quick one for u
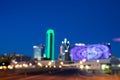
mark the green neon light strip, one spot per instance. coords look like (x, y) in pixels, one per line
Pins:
(50, 31)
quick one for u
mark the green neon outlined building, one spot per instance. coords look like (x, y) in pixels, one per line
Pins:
(50, 44)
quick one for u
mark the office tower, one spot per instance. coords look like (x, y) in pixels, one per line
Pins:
(66, 49)
(50, 44)
(37, 52)
(42, 47)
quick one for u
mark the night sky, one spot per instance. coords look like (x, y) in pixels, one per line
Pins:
(23, 23)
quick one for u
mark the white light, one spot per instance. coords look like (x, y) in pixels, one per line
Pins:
(84, 60)
(104, 66)
(39, 64)
(50, 63)
(108, 43)
(35, 46)
(119, 65)
(68, 42)
(20, 65)
(10, 67)
(79, 44)
(61, 63)
(60, 66)
(25, 65)
(66, 50)
(65, 40)
(54, 66)
(87, 67)
(30, 64)
(17, 66)
(80, 62)
(98, 61)
(46, 66)
(81, 67)
(0, 67)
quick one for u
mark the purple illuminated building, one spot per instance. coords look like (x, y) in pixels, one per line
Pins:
(90, 52)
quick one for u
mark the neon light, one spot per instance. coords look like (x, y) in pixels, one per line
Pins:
(90, 52)
(50, 44)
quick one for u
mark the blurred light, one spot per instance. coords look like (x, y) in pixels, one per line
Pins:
(0, 67)
(30, 64)
(3, 63)
(104, 66)
(4, 67)
(61, 63)
(87, 67)
(39, 64)
(54, 66)
(108, 43)
(50, 63)
(98, 61)
(81, 66)
(20, 66)
(10, 67)
(46, 66)
(79, 44)
(16, 66)
(25, 65)
(60, 66)
(119, 65)
(84, 60)
(116, 39)
(35, 46)
(80, 62)
(66, 50)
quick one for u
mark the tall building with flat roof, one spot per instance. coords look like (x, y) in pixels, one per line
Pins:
(39, 52)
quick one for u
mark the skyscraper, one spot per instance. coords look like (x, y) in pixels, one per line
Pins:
(65, 47)
(37, 52)
(50, 44)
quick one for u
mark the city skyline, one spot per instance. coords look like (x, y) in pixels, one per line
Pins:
(23, 24)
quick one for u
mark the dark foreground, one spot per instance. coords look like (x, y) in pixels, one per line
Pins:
(68, 74)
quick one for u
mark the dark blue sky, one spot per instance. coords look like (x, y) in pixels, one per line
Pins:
(23, 23)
